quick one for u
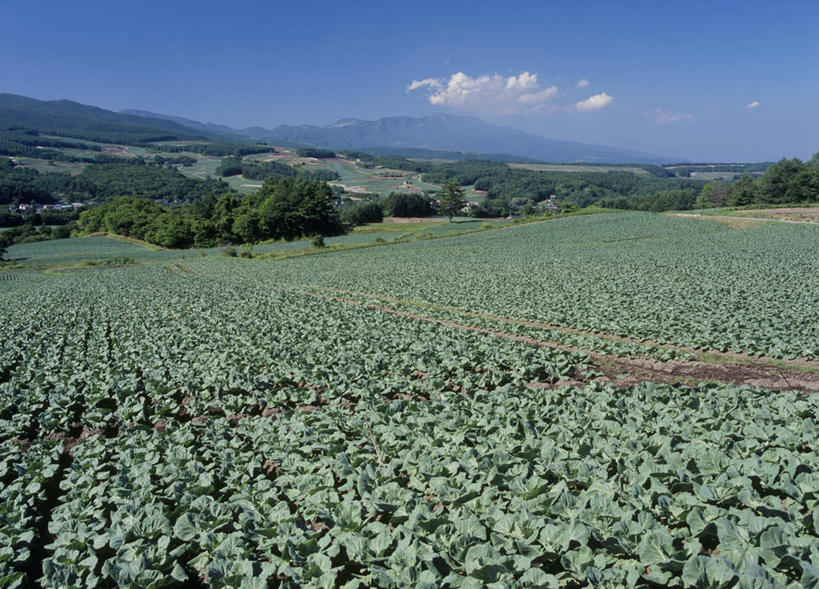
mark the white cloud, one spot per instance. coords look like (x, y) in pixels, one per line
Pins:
(664, 117)
(594, 102)
(583, 83)
(537, 97)
(431, 82)
(488, 93)
(754, 104)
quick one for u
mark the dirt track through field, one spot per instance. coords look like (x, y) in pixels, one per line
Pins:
(735, 368)
(779, 219)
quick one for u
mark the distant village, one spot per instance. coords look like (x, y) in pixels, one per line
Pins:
(61, 205)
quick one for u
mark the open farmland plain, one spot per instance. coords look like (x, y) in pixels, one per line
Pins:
(604, 400)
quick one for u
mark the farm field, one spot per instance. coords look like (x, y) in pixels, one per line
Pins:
(100, 248)
(604, 400)
(205, 167)
(78, 250)
(577, 168)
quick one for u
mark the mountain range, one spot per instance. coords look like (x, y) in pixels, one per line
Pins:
(437, 132)
(450, 132)
(463, 136)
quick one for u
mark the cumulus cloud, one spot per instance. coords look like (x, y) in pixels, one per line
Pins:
(594, 102)
(754, 104)
(583, 83)
(488, 93)
(665, 117)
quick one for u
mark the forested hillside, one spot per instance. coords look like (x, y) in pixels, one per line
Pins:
(101, 182)
(71, 119)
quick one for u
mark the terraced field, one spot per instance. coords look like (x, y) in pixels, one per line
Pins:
(498, 409)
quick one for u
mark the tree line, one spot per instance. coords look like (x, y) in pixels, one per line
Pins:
(287, 208)
(514, 188)
(789, 181)
(101, 182)
(221, 149)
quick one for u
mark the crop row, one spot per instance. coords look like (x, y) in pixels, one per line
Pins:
(651, 485)
(77, 356)
(678, 281)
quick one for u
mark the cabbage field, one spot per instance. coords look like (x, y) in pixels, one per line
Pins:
(444, 413)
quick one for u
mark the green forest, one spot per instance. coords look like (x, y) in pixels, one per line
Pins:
(282, 209)
(789, 181)
(102, 182)
(255, 170)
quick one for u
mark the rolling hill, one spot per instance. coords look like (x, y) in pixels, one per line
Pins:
(72, 119)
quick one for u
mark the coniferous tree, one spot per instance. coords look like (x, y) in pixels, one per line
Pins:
(451, 199)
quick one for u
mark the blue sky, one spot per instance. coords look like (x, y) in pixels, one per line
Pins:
(718, 81)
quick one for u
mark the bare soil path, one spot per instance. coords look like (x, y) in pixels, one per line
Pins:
(779, 217)
(711, 366)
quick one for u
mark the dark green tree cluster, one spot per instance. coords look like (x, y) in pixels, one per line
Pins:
(170, 162)
(29, 233)
(48, 217)
(253, 170)
(509, 189)
(319, 175)
(315, 152)
(687, 169)
(664, 200)
(30, 143)
(102, 182)
(222, 149)
(393, 162)
(464, 172)
(287, 208)
(789, 181)
(22, 185)
(401, 204)
(361, 213)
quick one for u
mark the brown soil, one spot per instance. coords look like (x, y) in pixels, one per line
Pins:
(627, 371)
(403, 220)
(721, 357)
(795, 213)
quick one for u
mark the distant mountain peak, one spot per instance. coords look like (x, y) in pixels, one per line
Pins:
(437, 132)
(448, 132)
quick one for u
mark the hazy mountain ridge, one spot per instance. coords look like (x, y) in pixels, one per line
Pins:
(452, 133)
(436, 132)
(209, 127)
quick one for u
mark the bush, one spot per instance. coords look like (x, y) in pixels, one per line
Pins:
(361, 213)
(407, 205)
(247, 251)
(318, 241)
(230, 251)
